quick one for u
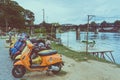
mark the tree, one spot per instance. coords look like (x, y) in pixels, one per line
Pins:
(93, 26)
(29, 17)
(117, 24)
(12, 15)
(103, 24)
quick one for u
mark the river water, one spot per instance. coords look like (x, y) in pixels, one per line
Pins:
(103, 40)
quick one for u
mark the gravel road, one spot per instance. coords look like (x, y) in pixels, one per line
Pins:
(6, 63)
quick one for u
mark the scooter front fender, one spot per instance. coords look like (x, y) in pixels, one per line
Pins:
(18, 57)
(18, 63)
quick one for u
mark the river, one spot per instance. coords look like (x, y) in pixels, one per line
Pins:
(106, 40)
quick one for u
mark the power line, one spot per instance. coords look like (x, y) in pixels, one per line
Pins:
(102, 18)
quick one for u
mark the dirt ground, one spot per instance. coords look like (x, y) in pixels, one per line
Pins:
(86, 70)
(72, 70)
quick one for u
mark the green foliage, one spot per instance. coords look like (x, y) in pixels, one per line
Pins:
(29, 14)
(42, 30)
(117, 24)
(37, 30)
(13, 15)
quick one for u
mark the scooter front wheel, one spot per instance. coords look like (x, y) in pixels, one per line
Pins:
(18, 71)
(16, 60)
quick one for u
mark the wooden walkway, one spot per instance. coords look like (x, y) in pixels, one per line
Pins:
(101, 53)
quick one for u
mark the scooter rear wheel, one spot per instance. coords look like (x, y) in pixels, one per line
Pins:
(18, 71)
(56, 72)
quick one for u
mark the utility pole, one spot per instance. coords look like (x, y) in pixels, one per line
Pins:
(43, 15)
(89, 18)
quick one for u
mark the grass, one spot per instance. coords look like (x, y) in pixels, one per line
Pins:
(62, 73)
(78, 56)
(3, 37)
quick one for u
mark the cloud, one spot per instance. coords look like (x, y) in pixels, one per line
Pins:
(70, 11)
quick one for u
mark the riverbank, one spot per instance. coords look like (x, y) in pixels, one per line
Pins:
(79, 66)
(84, 70)
(76, 55)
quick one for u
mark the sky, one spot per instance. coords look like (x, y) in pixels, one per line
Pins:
(72, 11)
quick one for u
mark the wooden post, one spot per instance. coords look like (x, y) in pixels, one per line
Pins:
(112, 57)
(77, 33)
(108, 57)
(102, 55)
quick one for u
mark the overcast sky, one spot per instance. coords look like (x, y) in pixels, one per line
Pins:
(72, 11)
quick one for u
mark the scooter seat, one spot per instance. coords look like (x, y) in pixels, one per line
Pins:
(47, 52)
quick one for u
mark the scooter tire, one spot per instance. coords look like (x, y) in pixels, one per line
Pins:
(56, 72)
(12, 57)
(18, 71)
(10, 53)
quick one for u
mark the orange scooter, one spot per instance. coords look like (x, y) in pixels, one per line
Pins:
(50, 61)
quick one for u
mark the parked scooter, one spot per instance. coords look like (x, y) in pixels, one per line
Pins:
(50, 61)
(17, 48)
(38, 45)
